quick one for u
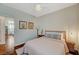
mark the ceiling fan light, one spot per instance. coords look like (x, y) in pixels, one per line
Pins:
(38, 8)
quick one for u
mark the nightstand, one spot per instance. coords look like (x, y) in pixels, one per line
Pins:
(39, 36)
(71, 48)
(74, 52)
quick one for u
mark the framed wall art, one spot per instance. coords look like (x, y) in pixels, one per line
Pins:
(22, 24)
(30, 25)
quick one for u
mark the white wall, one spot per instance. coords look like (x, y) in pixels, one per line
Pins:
(65, 19)
(78, 35)
(2, 30)
(78, 25)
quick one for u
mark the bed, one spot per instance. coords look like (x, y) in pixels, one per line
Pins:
(53, 43)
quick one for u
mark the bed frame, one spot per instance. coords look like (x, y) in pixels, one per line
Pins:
(17, 47)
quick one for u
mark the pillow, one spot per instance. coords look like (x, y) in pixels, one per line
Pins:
(57, 36)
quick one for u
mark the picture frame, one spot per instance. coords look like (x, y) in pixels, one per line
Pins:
(22, 24)
(30, 25)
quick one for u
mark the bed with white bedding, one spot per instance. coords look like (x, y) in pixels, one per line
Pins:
(46, 46)
(53, 43)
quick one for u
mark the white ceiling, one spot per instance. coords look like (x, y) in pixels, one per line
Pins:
(45, 7)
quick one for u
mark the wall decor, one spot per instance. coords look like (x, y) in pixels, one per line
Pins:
(22, 24)
(30, 25)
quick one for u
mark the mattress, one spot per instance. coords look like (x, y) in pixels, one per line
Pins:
(45, 46)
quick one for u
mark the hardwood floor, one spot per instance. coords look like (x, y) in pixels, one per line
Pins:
(2, 49)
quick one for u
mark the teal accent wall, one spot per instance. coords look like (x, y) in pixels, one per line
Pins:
(20, 35)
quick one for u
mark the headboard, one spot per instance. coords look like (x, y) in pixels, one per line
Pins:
(59, 32)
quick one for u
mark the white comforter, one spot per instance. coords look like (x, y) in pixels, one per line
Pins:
(45, 46)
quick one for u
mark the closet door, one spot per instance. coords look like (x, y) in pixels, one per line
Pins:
(2, 30)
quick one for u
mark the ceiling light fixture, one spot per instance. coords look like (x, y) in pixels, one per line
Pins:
(38, 7)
